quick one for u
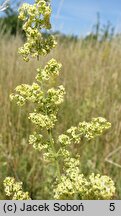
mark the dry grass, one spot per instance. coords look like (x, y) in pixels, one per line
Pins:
(92, 77)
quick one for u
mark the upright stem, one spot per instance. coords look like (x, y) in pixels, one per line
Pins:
(54, 151)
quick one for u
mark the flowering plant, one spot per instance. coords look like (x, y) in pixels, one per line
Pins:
(70, 182)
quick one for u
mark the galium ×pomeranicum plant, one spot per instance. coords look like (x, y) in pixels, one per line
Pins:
(14, 189)
(70, 183)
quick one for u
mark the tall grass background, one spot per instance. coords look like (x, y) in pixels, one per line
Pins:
(91, 74)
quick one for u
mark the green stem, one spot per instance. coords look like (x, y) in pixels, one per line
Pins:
(54, 151)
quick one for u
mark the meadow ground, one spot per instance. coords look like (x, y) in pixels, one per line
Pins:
(91, 74)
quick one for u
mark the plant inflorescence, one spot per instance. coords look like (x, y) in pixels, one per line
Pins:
(70, 182)
(14, 189)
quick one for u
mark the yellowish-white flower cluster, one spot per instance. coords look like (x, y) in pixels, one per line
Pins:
(46, 104)
(55, 96)
(100, 187)
(94, 128)
(88, 130)
(71, 182)
(35, 18)
(51, 70)
(26, 92)
(69, 188)
(40, 144)
(37, 141)
(73, 185)
(43, 121)
(14, 189)
(64, 139)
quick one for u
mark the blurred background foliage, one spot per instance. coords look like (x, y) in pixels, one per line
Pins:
(9, 22)
(91, 74)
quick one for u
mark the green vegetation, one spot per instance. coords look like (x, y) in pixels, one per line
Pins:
(90, 80)
(9, 23)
